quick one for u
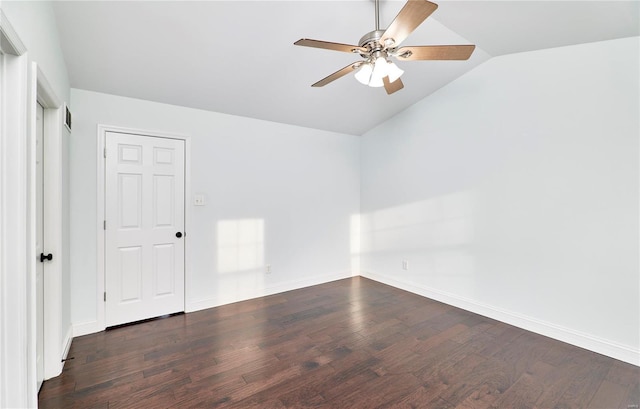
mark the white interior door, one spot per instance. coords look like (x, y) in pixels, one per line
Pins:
(144, 240)
(39, 244)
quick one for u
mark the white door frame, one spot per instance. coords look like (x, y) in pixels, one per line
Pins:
(21, 86)
(101, 185)
(43, 93)
(17, 376)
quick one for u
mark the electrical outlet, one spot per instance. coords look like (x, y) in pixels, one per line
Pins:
(268, 269)
(405, 265)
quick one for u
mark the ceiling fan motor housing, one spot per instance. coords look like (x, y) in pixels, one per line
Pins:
(371, 41)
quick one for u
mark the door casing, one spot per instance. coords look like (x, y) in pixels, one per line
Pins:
(17, 379)
(55, 341)
(40, 244)
(22, 83)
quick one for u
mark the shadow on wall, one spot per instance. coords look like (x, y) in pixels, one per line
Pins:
(434, 236)
(240, 258)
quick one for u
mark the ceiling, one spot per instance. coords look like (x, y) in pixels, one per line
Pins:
(238, 57)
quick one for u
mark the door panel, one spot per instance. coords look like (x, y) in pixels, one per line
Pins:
(130, 154)
(130, 198)
(130, 274)
(164, 269)
(163, 192)
(144, 210)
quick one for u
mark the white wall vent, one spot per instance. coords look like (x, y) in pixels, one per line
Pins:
(67, 117)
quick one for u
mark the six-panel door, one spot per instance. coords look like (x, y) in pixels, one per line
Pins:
(144, 205)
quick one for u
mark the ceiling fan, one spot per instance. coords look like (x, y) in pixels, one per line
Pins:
(379, 46)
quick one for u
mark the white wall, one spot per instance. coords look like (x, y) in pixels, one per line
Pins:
(513, 192)
(35, 23)
(301, 184)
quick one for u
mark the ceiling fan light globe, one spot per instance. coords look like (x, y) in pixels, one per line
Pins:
(394, 72)
(364, 74)
(380, 68)
(376, 82)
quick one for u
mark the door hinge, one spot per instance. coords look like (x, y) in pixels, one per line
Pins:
(104, 225)
(104, 152)
(105, 296)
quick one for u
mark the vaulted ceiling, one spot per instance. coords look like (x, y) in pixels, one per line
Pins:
(238, 57)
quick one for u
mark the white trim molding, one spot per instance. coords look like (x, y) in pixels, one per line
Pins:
(10, 42)
(100, 323)
(86, 328)
(66, 344)
(17, 370)
(53, 177)
(570, 336)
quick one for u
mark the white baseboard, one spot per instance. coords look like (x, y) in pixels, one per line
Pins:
(91, 327)
(85, 328)
(307, 282)
(270, 290)
(592, 343)
(66, 345)
(59, 365)
(570, 336)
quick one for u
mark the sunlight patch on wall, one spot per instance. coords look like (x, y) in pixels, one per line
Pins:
(240, 245)
(436, 222)
(435, 236)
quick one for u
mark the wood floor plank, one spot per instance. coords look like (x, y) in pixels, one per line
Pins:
(378, 392)
(632, 397)
(352, 343)
(586, 383)
(522, 394)
(555, 381)
(608, 394)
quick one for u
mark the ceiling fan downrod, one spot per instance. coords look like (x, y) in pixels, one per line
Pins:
(371, 40)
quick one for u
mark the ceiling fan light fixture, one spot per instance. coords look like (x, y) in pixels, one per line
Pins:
(393, 71)
(384, 68)
(371, 74)
(380, 68)
(376, 82)
(364, 74)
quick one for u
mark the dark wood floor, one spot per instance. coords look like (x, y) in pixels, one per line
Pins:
(347, 344)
